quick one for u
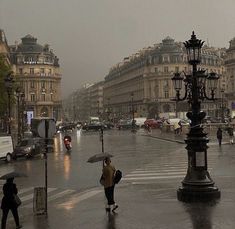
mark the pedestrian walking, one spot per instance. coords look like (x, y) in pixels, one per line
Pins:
(108, 177)
(147, 128)
(176, 128)
(231, 135)
(219, 135)
(9, 203)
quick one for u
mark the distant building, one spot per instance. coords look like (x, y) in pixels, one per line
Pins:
(230, 69)
(147, 74)
(37, 71)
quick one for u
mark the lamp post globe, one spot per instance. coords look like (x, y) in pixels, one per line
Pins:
(197, 184)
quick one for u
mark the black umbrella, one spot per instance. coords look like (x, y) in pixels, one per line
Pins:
(99, 157)
(12, 175)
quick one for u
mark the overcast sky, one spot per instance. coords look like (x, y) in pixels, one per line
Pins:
(90, 36)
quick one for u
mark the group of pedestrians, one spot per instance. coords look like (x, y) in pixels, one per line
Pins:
(230, 132)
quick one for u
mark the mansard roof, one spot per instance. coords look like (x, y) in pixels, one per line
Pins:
(29, 45)
(169, 45)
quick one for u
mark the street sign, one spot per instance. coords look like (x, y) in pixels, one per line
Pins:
(51, 128)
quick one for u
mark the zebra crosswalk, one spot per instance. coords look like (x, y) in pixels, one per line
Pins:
(164, 168)
(60, 196)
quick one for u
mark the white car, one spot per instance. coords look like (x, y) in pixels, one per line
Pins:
(6, 148)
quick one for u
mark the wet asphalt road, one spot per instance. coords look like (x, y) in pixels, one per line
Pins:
(71, 170)
(152, 171)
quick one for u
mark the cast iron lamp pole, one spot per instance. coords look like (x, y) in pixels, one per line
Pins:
(222, 106)
(23, 114)
(9, 85)
(133, 113)
(18, 95)
(197, 184)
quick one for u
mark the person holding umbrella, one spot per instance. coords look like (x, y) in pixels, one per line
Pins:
(9, 203)
(10, 200)
(108, 176)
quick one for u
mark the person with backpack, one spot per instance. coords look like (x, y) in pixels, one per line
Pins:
(108, 176)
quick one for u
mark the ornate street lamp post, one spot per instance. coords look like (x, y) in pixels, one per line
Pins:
(133, 129)
(197, 184)
(18, 95)
(23, 114)
(20, 113)
(222, 105)
(9, 85)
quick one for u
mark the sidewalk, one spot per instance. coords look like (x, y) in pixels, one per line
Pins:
(170, 136)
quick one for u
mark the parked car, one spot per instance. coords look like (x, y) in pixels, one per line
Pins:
(28, 147)
(124, 124)
(140, 122)
(153, 123)
(6, 148)
(109, 125)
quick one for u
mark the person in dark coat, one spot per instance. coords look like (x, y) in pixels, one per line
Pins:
(9, 203)
(219, 136)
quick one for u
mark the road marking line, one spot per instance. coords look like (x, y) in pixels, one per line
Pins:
(25, 190)
(154, 174)
(53, 197)
(60, 194)
(158, 170)
(30, 196)
(78, 198)
(150, 178)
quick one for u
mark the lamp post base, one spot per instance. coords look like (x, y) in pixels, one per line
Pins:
(193, 194)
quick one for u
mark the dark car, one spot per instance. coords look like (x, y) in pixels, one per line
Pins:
(94, 126)
(153, 123)
(28, 147)
(109, 125)
(124, 124)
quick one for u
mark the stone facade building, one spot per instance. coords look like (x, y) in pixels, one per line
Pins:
(4, 48)
(147, 75)
(37, 71)
(84, 103)
(230, 69)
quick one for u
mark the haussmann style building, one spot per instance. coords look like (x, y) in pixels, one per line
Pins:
(143, 81)
(37, 71)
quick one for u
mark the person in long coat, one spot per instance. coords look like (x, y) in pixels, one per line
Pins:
(9, 203)
(219, 135)
(108, 175)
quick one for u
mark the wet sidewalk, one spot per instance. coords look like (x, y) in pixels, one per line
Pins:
(179, 138)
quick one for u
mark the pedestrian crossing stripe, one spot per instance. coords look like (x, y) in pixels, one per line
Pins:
(153, 174)
(75, 199)
(163, 169)
(151, 178)
(68, 195)
(30, 196)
